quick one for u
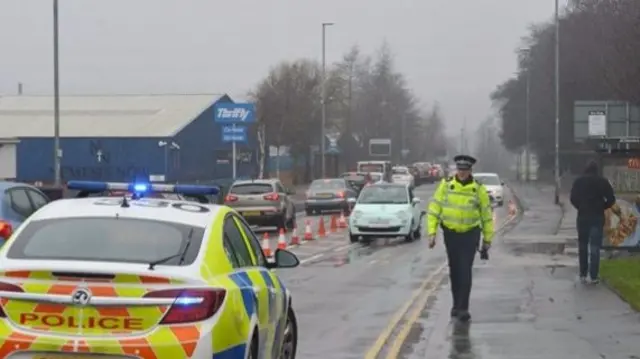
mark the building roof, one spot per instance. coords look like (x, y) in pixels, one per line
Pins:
(101, 116)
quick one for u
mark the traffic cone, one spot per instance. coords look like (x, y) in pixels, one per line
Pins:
(308, 236)
(321, 231)
(512, 208)
(333, 227)
(266, 246)
(342, 221)
(282, 242)
(295, 239)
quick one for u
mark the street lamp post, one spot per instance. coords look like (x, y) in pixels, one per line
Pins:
(557, 86)
(528, 128)
(168, 146)
(323, 102)
(57, 153)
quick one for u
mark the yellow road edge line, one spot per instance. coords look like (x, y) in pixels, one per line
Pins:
(374, 351)
(399, 340)
(382, 339)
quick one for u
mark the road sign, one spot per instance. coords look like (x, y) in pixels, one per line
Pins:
(380, 147)
(234, 113)
(597, 124)
(233, 133)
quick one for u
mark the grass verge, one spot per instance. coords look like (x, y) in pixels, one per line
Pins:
(623, 275)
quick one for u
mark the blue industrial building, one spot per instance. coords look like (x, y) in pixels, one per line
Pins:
(118, 138)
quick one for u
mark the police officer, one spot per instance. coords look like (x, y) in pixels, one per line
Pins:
(461, 206)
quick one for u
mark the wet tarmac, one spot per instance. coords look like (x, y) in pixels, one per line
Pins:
(347, 297)
(527, 304)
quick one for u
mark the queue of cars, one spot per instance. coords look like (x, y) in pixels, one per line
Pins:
(142, 276)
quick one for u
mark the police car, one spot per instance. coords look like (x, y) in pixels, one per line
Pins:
(146, 278)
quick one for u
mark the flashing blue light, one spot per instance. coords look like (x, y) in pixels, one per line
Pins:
(140, 188)
(186, 301)
(184, 189)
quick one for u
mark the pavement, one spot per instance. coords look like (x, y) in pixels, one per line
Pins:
(352, 299)
(526, 301)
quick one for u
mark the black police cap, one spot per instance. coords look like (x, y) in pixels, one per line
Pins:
(464, 162)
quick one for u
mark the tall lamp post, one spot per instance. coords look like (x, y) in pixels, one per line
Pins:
(57, 153)
(557, 86)
(323, 101)
(526, 52)
(168, 146)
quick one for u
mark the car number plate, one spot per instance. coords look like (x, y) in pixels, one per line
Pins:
(251, 213)
(323, 195)
(380, 221)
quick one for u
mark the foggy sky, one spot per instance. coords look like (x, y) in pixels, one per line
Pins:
(451, 51)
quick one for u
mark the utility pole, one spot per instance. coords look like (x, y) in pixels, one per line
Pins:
(323, 102)
(57, 153)
(527, 128)
(557, 80)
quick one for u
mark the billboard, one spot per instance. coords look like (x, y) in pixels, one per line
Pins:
(623, 231)
(605, 119)
(380, 147)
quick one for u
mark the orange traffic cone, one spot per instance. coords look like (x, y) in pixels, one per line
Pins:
(295, 239)
(282, 242)
(512, 208)
(308, 236)
(333, 227)
(342, 221)
(266, 245)
(321, 231)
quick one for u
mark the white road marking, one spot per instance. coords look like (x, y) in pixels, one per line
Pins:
(312, 258)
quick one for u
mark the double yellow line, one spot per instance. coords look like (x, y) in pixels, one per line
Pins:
(416, 303)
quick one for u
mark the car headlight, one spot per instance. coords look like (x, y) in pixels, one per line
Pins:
(356, 214)
(403, 215)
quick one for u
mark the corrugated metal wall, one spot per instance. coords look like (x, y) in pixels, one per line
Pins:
(108, 159)
(202, 156)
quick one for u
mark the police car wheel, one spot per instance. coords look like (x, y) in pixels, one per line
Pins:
(253, 350)
(501, 203)
(290, 338)
(353, 239)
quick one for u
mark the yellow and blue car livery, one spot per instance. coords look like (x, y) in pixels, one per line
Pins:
(221, 304)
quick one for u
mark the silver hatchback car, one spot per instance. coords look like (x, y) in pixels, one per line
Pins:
(262, 202)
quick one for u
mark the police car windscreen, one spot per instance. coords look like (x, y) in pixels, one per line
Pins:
(251, 188)
(107, 239)
(488, 180)
(383, 195)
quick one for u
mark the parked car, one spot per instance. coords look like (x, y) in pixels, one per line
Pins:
(263, 202)
(401, 175)
(19, 201)
(494, 185)
(329, 194)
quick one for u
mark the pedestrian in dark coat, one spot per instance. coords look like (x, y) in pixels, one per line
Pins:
(591, 195)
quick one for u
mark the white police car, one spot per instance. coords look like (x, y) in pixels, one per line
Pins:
(138, 277)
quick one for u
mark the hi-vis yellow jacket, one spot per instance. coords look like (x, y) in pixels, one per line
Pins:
(460, 208)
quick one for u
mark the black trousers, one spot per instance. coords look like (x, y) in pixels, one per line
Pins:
(461, 251)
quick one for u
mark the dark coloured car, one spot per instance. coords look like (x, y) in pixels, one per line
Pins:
(357, 180)
(330, 194)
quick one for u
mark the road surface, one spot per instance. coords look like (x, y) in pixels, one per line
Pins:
(347, 296)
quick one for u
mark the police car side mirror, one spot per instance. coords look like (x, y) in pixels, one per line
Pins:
(502, 183)
(284, 259)
(415, 200)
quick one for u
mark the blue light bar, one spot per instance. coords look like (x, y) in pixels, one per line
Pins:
(184, 189)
